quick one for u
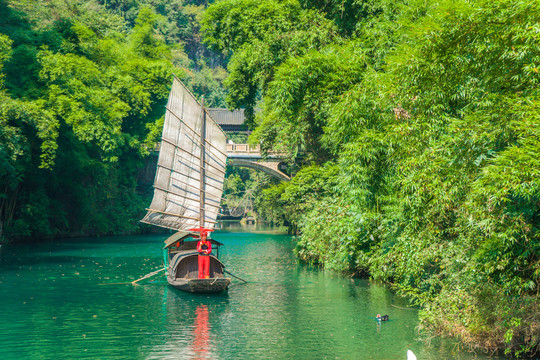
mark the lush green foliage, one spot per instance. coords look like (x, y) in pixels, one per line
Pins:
(81, 104)
(423, 122)
(261, 34)
(301, 96)
(176, 24)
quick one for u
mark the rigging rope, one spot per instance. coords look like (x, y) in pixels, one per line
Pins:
(244, 206)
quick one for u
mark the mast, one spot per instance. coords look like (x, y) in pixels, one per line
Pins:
(202, 158)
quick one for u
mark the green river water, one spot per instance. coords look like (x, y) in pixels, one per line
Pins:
(59, 301)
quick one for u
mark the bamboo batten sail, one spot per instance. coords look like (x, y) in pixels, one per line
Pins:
(178, 189)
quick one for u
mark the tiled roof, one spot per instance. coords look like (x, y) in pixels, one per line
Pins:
(227, 117)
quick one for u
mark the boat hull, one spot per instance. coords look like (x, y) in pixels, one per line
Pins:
(201, 286)
(183, 274)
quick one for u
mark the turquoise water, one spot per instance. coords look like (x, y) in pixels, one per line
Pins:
(61, 300)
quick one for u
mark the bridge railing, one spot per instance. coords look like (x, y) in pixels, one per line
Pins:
(243, 149)
(246, 149)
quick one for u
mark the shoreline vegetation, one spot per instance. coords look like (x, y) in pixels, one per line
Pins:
(416, 127)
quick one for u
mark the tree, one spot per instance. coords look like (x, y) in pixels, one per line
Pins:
(432, 132)
(260, 36)
(74, 135)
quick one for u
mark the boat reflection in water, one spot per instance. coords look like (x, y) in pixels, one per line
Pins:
(201, 334)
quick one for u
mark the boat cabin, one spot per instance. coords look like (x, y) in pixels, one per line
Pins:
(182, 256)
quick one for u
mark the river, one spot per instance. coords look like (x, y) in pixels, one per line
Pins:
(62, 300)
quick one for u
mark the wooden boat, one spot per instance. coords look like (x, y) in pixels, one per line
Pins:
(187, 189)
(183, 268)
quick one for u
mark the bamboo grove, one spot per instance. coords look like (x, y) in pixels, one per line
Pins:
(83, 86)
(419, 126)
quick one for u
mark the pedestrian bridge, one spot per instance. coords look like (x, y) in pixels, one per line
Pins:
(240, 155)
(245, 155)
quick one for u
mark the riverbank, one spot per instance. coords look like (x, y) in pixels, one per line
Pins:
(418, 125)
(482, 316)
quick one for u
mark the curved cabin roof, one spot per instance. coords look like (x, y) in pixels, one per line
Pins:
(183, 235)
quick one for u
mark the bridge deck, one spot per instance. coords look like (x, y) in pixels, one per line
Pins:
(246, 151)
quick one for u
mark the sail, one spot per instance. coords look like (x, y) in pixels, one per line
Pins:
(188, 153)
